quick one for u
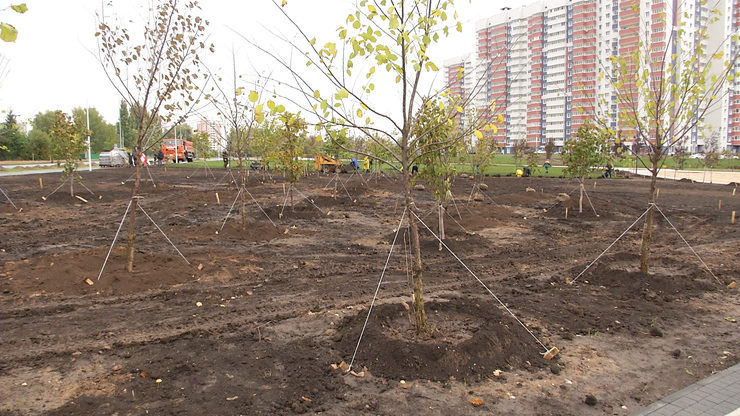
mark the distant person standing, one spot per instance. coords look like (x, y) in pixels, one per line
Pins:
(225, 157)
(160, 157)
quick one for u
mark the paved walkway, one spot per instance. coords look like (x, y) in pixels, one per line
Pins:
(719, 177)
(716, 395)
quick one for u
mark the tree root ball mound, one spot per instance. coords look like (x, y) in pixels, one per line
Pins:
(629, 284)
(254, 231)
(66, 273)
(468, 341)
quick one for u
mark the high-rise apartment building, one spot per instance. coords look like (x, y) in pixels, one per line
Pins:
(216, 136)
(730, 133)
(547, 66)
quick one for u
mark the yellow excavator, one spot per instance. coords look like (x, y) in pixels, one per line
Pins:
(327, 164)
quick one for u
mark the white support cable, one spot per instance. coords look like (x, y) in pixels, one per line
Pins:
(309, 200)
(130, 176)
(460, 225)
(589, 201)
(229, 213)
(258, 206)
(482, 284)
(454, 203)
(165, 235)
(54, 191)
(285, 201)
(331, 180)
(115, 238)
(687, 244)
(377, 289)
(347, 191)
(610, 245)
(88, 189)
(150, 175)
(8, 198)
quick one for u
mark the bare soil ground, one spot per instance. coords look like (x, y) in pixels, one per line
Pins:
(254, 322)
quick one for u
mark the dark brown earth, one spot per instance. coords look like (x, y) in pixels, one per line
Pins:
(253, 324)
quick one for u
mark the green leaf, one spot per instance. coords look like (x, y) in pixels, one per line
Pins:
(20, 8)
(8, 33)
(253, 96)
(316, 94)
(342, 94)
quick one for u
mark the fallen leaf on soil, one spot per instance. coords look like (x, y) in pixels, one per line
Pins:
(306, 399)
(200, 266)
(497, 373)
(116, 368)
(143, 374)
(89, 282)
(360, 374)
(475, 401)
(733, 320)
(232, 398)
(249, 293)
(198, 304)
(343, 366)
(732, 285)
(159, 380)
(403, 384)
(405, 306)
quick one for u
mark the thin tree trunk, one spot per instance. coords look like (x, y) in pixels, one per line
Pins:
(72, 184)
(290, 192)
(580, 200)
(132, 221)
(441, 224)
(647, 230)
(244, 199)
(420, 317)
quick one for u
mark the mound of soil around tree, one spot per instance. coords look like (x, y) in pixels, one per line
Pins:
(467, 341)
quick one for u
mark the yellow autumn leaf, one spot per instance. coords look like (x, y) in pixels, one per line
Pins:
(478, 134)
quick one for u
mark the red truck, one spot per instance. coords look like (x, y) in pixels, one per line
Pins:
(178, 150)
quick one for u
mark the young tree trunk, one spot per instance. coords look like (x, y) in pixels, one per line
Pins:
(71, 184)
(290, 194)
(244, 199)
(647, 230)
(420, 317)
(132, 221)
(441, 224)
(580, 200)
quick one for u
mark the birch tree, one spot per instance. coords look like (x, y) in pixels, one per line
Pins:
(664, 97)
(383, 44)
(156, 68)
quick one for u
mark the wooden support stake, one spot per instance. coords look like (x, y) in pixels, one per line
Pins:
(594, 185)
(218, 200)
(733, 190)
(395, 207)
(719, 205)
(566, 213)
(41, 183)
(283, 189)
(733, 217)
(657, 193)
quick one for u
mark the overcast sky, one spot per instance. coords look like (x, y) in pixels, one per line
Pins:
(53, 65)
